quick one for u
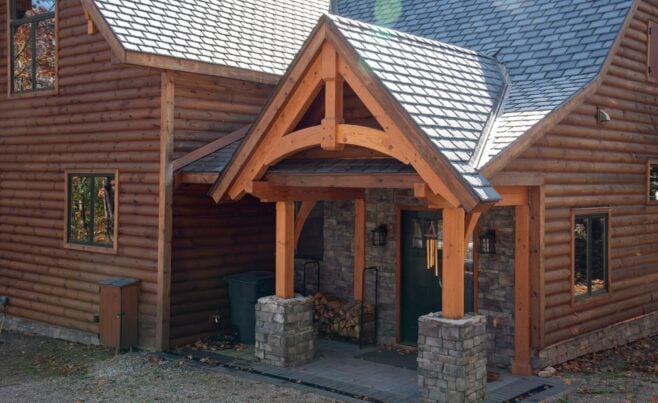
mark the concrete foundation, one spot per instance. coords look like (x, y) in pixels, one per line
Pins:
(285, 335)
(452, 358)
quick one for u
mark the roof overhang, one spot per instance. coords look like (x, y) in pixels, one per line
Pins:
(124, 56)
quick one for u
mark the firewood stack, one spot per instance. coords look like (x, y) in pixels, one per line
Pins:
(341, 319)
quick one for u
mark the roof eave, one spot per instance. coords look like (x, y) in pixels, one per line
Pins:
(123, 56)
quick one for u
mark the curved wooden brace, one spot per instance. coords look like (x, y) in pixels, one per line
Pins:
(372, 139)
(309, 137)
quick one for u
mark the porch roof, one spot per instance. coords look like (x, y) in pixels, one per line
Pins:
(340, 166)
(451, 94)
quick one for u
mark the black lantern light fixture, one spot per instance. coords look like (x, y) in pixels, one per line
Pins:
(487, 241)
(379, 235)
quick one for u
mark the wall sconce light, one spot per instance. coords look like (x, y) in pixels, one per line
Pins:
(602, 115)
(379, 235)
(487, 244)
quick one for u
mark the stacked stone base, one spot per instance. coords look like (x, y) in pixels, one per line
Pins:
(285, 335)
(452, 358)
(608, 337)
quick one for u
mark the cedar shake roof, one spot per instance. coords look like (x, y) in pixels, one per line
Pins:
(552, 49)
(257, 35)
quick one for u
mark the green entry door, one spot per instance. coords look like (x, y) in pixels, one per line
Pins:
(420, 287)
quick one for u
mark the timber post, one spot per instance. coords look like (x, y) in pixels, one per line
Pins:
(285, 249)
(453, 263)
(521, 364)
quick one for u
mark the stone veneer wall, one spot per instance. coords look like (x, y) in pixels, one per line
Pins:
(496, 286)
(496, 277)
(337, 275)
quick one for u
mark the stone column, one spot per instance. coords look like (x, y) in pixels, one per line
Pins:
(452, 358)
(285, 335)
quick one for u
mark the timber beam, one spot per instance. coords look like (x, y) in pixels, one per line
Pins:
(423, 192)
(267, 192)
(370, 181)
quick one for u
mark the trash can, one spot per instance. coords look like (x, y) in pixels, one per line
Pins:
(244, 289)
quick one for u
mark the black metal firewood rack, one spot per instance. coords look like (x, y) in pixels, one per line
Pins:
(367, 270)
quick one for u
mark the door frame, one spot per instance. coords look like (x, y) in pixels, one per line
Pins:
(398, 264)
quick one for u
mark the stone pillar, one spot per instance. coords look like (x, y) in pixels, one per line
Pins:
(452, 358)
(285, 335)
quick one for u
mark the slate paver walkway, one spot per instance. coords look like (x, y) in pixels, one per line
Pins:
(337, 370)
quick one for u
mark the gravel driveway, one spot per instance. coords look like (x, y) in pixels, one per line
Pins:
(35, 369)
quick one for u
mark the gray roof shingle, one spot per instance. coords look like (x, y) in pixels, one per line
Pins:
(215, 161)
(341, 166)
(552, 49)
(258, 35)
(450, 93)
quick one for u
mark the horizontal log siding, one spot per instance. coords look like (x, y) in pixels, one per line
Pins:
(107, 117)
(209, 242)
(207, 108)
(590, 164)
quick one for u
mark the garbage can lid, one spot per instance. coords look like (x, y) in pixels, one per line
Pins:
(250, 277)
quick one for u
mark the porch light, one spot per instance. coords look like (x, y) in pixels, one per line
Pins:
(487, 242)
(379, 235)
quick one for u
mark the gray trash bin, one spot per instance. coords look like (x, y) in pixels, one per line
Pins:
(244, 289)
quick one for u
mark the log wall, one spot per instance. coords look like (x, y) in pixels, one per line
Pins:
(589, 164)
(104, 117)
(207, 108)
(209, 242)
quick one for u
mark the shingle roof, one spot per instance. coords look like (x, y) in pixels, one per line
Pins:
(341, 166)
(259, 35)
(552, 49)
(450, 93)
(214, 162)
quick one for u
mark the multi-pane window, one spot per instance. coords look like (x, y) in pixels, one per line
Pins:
(32, 47)
(91, 209)
(590, 237)
(652, 181)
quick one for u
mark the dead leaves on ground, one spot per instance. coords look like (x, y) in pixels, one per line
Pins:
(638, 357)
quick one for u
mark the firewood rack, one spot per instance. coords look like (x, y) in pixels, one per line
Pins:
(367, 270)
(307, 264)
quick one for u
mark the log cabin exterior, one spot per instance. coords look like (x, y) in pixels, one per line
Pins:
(173, 124)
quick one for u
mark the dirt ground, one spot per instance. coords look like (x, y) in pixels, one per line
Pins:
(627, 373)
(35, 369)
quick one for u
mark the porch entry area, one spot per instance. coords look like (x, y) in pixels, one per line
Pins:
(331, 133)
(421, 268)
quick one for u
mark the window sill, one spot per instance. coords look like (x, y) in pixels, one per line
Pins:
(89, 248)
(32, 94)
(584, 301)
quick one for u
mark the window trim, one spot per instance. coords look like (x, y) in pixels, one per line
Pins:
(8, 43)
(647, 200)
(111, 250)
(598, 296)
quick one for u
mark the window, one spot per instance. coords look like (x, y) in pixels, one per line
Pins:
(32, 47)
(92, 205)
(590, 253)
(652, 181)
